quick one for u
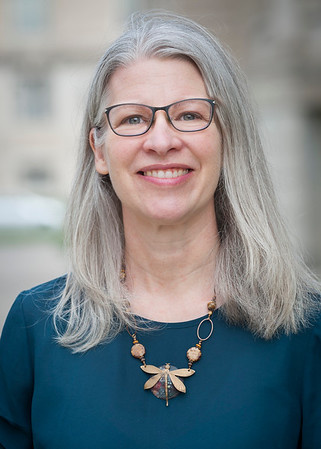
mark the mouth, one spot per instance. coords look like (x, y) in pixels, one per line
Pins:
(166, 174)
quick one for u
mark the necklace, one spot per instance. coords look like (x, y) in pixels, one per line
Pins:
(165, 383)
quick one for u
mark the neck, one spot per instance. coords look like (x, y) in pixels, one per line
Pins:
(170, 268)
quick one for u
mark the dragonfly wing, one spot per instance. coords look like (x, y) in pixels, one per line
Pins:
(178, 384)
(152, 381)
(151, 369)
(184, 372)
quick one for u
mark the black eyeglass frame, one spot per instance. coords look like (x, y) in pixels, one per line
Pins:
(154, 109)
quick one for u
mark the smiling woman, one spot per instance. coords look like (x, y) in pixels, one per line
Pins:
(141, 160)
(181, 270)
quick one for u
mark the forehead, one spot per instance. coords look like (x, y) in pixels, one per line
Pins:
(156, 81)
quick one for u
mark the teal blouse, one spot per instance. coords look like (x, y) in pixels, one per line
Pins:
(246, 393)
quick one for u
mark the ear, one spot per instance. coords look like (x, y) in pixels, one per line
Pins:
(100, 160)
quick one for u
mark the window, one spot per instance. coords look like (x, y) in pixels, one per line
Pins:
(33, 96)
(30, 15)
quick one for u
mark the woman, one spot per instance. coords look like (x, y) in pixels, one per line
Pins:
(173, 230)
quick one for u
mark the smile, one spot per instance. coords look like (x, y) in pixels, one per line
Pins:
(168, 174)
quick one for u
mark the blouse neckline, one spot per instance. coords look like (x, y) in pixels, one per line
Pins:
(145, 322)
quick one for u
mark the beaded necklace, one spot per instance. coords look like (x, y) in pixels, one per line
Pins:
(165, 383)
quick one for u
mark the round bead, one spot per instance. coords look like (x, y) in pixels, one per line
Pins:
(137, 351)
(194, 354)
(211, 305)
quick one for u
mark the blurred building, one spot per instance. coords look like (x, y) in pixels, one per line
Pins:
(48, 50)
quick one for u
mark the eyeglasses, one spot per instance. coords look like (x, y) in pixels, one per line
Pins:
(131, 119)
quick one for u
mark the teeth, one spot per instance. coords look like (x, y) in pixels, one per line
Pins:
(175, 173)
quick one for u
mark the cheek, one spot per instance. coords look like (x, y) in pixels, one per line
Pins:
(117, 184)
(121, 154)
(117, 151)
(118, 169)
(218, 150)
(111, 155)
(213, 152)
(213, 162)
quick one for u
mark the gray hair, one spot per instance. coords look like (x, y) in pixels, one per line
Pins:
(263, 282)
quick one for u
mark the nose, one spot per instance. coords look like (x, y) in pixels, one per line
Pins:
(162, 136)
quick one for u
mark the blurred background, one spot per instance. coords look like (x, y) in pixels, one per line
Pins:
(48, 52)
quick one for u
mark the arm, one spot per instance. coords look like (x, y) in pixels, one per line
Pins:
(311, 421)
(16, 381)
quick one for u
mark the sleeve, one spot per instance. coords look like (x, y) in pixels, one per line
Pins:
(16, 381)
(311, 424)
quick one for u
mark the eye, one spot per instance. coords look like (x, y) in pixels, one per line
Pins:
(188, 116)
(133, 120)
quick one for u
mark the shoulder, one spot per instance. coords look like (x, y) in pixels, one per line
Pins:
(309, 322)
(314, 326)
(48, 290)
(308, 341)
(314, 329)
(38, 301)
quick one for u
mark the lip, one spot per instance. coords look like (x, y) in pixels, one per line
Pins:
(164, 167)
(165, 181)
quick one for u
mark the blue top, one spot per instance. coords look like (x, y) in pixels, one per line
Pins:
(246, 393)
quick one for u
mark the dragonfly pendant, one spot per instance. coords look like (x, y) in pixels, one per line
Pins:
(165, 384)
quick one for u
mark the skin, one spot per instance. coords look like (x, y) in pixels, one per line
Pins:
(170, 224)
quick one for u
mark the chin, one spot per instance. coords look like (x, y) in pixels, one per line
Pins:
(172, 217)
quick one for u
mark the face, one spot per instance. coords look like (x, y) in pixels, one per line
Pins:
(164, 176)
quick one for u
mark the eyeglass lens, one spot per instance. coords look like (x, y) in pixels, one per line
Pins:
(134, 119)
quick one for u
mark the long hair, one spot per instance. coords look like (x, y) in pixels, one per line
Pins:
(262, 281)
